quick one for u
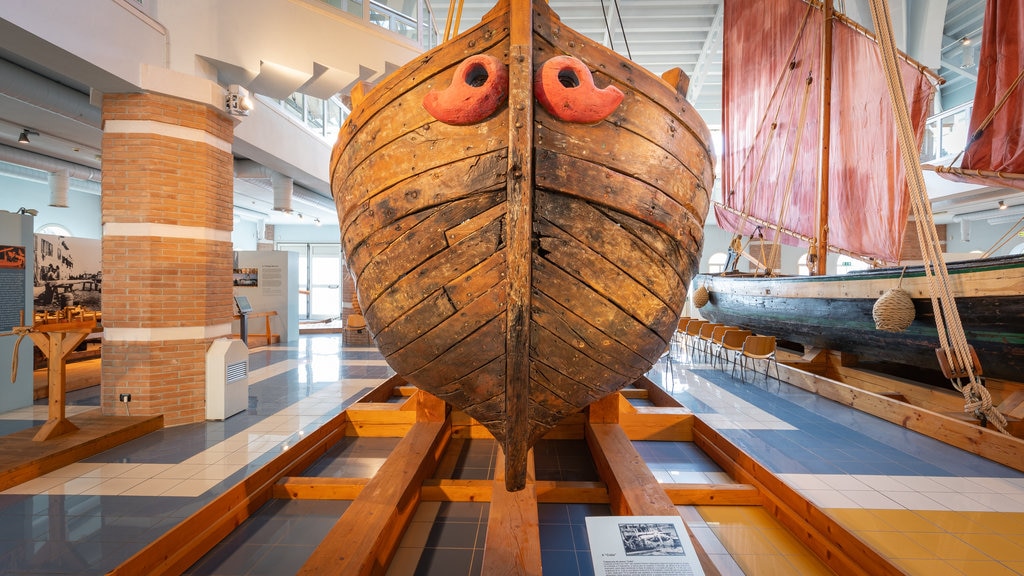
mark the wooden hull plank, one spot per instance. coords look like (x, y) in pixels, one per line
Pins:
(410, 289)
(443, 303)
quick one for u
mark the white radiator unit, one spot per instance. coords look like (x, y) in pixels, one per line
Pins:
(227, 378)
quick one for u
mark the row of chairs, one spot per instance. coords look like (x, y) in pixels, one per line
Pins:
(720, 343)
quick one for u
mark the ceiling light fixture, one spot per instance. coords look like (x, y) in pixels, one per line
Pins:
(1002, 205)
(237, 101)
(25, 133)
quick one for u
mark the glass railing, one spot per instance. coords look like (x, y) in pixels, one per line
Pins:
(945, 134)
(321, 117)
(418, 26)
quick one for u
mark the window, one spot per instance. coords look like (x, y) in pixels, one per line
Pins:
(801, 266)
(716, 263)
(54, 230)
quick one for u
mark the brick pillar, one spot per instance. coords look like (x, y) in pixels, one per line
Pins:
(167, 252)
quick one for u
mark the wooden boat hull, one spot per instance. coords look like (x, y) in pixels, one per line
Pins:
(522, 267)
(835, 312)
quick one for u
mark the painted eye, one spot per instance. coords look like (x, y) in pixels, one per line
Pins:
(478, 88)
(565, 88)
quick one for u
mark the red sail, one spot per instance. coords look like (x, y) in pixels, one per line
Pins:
(868, 200)
(995, 157)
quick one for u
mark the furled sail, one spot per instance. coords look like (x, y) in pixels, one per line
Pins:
(995, 152)
(771, 102)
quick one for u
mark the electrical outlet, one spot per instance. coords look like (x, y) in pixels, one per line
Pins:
(126, 398)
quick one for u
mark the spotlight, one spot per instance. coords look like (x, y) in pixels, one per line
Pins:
(29, 211)
(316, 221)
(25, 133)
(1002, 205)
(237, 101)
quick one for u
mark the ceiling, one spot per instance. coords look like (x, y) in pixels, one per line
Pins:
(657, 34)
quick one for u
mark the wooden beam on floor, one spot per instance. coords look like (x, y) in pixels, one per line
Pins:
(187, 542)
(512, 545)
(632, 488)
(316, 488)
(365, 538)
(22, 458)
(992, 444)
(713, 494)
(833, 544)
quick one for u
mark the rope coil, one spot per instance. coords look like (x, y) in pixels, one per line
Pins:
(701, 297)
(893, 311)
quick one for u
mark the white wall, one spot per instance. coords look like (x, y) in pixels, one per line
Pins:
(326, 234)
(81, 217)
(278, 290)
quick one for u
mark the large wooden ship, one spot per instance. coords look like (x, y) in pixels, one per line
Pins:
(523, 211)
(772, 113)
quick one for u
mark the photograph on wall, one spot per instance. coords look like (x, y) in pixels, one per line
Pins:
(68, 272)
(641, 545)
(12, 286)
(246, 277)
(12, 257)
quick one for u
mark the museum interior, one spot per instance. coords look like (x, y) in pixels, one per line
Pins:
(594, 287)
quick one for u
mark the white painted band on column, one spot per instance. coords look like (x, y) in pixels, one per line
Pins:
(164, 334)
(145, 229)
(169, 130)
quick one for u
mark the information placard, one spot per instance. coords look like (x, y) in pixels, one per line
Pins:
(641, 546)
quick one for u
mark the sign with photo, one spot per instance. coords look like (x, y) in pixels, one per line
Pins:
(641, 546)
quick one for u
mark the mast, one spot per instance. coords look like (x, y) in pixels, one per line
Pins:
(821, 228)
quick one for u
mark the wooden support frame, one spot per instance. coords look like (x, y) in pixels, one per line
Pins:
(365, 538)
(632, 488)
(512, 544)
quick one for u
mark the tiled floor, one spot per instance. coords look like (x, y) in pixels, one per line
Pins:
(931, 508)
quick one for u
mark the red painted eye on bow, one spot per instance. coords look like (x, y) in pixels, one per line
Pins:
(565, 88)
(479, 86)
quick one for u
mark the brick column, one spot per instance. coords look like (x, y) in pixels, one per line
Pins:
(167, 252)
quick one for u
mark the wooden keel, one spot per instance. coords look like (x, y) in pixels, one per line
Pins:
(520, 224)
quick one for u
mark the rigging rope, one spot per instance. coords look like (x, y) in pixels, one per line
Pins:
(622, 26)
(977, 399)
(788, 194)
(776, 96)
(1013, 231)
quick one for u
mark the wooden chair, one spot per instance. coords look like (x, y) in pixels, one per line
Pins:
(715, 344)
(704, 337)
(732, 341)
(680, 333)
(759, 348)
(693, 333)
